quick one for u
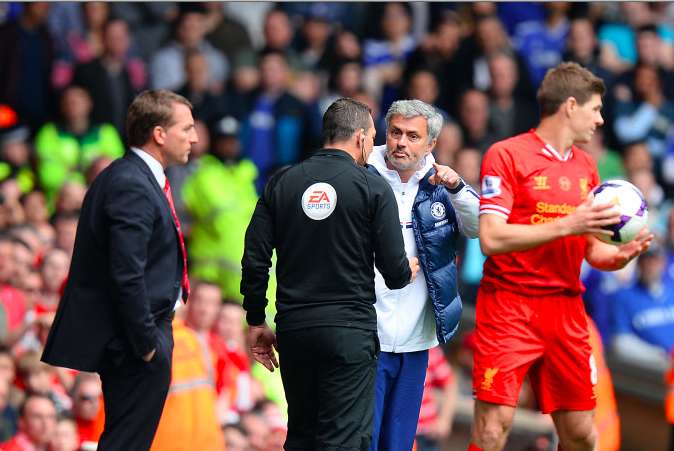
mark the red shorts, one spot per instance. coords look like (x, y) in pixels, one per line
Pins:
(546, 338)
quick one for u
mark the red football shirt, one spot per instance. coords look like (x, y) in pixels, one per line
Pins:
(527, 181)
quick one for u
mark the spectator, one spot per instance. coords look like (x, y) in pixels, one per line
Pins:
(26, 59)
(7, 365)
(278, 35)
(37, 215)
(347, 46)
(70, 197)
(245, 79)
(65, 149)
(541, 43)
(636, 157)
(80, 44)
(189, 418)
(509, 115)
(235, 438)
(38, 377)
(97, 167)
(449, 142)
(384, 59)
(37, 425)
(11, 298)
(618, 50)
(87, 396)
(167, 66)
(149, 23)
(315, 53)
(197, 88)
(653, 51)
(345, 81)
(113, 78)
(54, 272)
(424, 86)
(582, 47)
(643, 315)
(220, 197)
(467, 163)
(257, 429)
(490, 37)
(9, 417)
(12, 212)
(234, 390)
(274, 131)
(474, 119)
(15, 155)
(647, 115)
(65, 226)
(225, 32)
(89, 44)
(65, 436)
(438, 53)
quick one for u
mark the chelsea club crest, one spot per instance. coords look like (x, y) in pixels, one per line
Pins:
(438, 210)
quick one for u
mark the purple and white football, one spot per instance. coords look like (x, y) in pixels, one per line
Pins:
(630, 203)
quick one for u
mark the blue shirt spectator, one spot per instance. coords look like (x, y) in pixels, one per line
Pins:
(643, 315)
(541, 44)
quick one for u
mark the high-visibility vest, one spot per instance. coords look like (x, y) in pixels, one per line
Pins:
(606, 417)
(189, 420)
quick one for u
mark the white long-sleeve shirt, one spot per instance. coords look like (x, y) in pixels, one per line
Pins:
(405, 318)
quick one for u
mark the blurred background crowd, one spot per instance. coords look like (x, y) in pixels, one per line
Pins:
(260, 76)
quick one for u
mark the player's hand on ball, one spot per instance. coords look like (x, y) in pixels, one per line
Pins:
(589, 218)
(414, 267)
(262, 342)
(636, 247)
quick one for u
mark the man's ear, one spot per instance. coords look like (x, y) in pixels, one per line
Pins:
(158, 135)
(431, 146)
(570, 105)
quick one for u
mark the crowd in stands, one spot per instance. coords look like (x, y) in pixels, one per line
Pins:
(260, 75)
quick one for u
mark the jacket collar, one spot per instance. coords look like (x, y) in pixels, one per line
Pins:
(142, 165)
(335, 153)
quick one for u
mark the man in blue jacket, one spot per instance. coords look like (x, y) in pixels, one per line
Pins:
(434, 206)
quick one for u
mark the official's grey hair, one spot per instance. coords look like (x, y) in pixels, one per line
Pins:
(413, 108)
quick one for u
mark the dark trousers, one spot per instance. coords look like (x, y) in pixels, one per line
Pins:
(328, 376)
(134, 392)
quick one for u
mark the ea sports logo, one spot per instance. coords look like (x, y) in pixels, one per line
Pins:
(319, 201)
(438, 210)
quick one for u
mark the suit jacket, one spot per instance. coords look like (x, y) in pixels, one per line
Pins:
(125, 273)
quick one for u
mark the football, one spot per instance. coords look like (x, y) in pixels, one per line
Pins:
(632, 206)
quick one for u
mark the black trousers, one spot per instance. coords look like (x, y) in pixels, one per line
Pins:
(328, 376)
(134, 392)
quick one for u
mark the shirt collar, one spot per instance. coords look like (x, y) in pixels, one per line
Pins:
(550, 151)
(378, 160)
(154, 165)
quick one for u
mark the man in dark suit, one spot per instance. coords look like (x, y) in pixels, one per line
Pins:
(128, 273)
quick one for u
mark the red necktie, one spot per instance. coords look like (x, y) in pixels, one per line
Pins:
(186, 281)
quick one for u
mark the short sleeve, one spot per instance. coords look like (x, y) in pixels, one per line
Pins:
(498, 181)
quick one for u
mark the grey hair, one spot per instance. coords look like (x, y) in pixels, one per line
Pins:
(414, 108)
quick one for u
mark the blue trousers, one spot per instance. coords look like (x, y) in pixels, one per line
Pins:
(399, 386)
